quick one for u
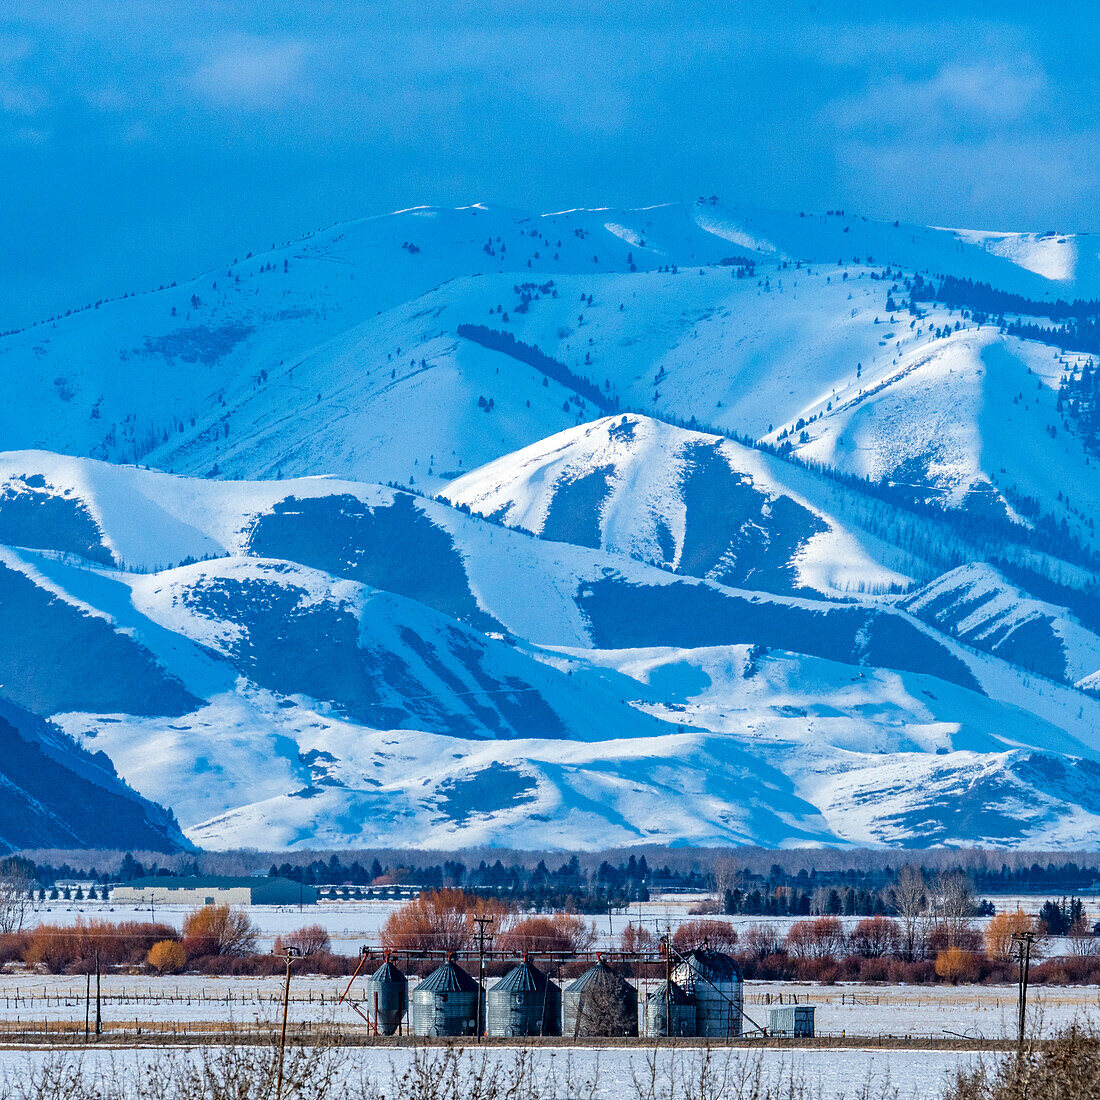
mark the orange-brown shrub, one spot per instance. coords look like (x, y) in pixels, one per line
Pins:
(313, 939)
(824, 969)
(760, 940)
(564, 932)
(822, 938)
(218, 930)
(718, 935)
(167, 957)
(636, 937)
(873, 970)
(875, 938)
(1075, 968)
(999, 931)
(49, 946)
(963, 937)
(442, 920)
(954, 964)
(13, 946)
(75, 946)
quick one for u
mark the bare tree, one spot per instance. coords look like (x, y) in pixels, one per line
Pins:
(911, 902)
(15, 899)
(760, 940)
(606, 1008)
(728, 875)
(954, 904)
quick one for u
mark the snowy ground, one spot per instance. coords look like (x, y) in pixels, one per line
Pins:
(931, 1012)
(916, 1074)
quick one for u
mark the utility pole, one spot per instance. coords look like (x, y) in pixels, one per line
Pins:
(481, 922)
(1024, 941)
(98, 1012)
(665, 945)
(87, 1005)
(291, 954)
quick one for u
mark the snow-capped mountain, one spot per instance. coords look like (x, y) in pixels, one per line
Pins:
(474, 526)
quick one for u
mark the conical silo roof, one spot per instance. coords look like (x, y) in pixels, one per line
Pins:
(678, 994)
(524, 978)
(449, 978)
(387, 972)
(599, 974)
(714, 966)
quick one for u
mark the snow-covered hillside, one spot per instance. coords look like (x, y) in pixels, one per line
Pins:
(346, 662)
(979, 606)
(58, 795)
(315, 357)
(693, 503)
(476, 526)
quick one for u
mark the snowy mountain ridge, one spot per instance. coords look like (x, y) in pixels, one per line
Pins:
(473, 526)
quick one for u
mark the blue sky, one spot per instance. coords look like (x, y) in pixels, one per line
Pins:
(142, 140)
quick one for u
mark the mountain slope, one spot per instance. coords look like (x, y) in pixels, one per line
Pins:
(54, 794)
(979, 606)
(314, 357)
(744, 531)
(690, 502)
(358, 662)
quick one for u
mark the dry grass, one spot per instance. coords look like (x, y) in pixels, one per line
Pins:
(1066, 1068)
(451, 1073)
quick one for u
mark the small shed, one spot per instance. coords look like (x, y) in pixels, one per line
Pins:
(792, 1022)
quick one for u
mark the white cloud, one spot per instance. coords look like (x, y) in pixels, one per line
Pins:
(984, 95)
(250, 72)
(1015, 179)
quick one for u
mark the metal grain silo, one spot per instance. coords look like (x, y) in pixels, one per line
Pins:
(714, 982)
(669, 1011)
(387, 998)
(524, 1002)
(445, 1003)
(599, 1002)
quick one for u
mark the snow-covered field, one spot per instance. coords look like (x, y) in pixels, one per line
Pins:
(853, 1009)
(826, 1074)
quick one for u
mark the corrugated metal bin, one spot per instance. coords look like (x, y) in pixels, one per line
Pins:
(445, 1003)
(524, 1002)
(599, 1003)
(387, 998)
(669, 1012)
(714, 982)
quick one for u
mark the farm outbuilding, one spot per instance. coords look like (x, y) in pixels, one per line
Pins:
(212, 890)
(792, 1022)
